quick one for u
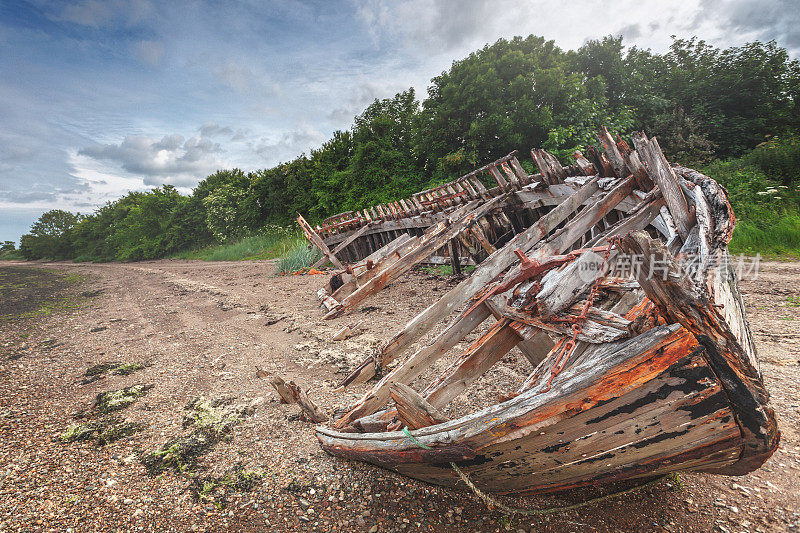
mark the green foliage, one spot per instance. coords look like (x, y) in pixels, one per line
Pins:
(9, 252)
(768, 213)
(681, 137)
(299, 256)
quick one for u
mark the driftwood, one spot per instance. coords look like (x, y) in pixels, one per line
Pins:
(291, 393)
(635, 372)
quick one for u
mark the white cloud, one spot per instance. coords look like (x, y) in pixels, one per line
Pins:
(170, 159)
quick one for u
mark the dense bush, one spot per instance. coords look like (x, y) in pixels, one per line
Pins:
(702, 102)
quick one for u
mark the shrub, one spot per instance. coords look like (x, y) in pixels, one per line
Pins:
(778, 158)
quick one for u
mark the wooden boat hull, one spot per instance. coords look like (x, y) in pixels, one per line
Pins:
(664, 378)
(651, 411)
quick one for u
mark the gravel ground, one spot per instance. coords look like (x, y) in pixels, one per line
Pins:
(198, 330)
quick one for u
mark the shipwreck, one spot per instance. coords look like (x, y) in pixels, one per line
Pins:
(613, 280)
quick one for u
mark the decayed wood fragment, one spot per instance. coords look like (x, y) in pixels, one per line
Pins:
(347, 331)
(291, 393)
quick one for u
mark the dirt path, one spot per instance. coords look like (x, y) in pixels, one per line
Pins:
(200, 329)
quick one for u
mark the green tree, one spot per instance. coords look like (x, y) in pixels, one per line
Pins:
(50, 236)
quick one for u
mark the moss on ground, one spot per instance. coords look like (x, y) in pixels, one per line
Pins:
(209, 422)
(215, 489)
(115, 400)
(130, 368)
(101, 368)
(35, 292)
(104, 430)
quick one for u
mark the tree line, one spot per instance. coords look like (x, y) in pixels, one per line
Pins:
(703, 103)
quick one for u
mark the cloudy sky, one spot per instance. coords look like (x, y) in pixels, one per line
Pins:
(99, 97)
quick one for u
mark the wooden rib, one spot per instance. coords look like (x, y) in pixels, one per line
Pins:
(488, 270)
(612, 153)
(549, 166)
(501, 181)
(344, 244)
(480, 236)
(523, 177)
(434, 239)
(412, 409)
(584, 164)
(317, 241)
(663, 175)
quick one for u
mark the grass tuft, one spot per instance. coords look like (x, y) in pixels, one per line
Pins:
(298, 257)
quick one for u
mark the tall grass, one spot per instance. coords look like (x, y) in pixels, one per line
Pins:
(268, 245)
(297, 257)
(781, 239)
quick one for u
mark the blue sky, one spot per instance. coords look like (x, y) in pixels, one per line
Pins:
(101, 97)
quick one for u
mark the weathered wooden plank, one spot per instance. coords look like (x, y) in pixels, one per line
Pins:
(597, 328)
(523, 177)
(535, 344)
(677, 299)
(498, 177)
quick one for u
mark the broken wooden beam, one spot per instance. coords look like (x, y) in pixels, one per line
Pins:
(664, 177)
